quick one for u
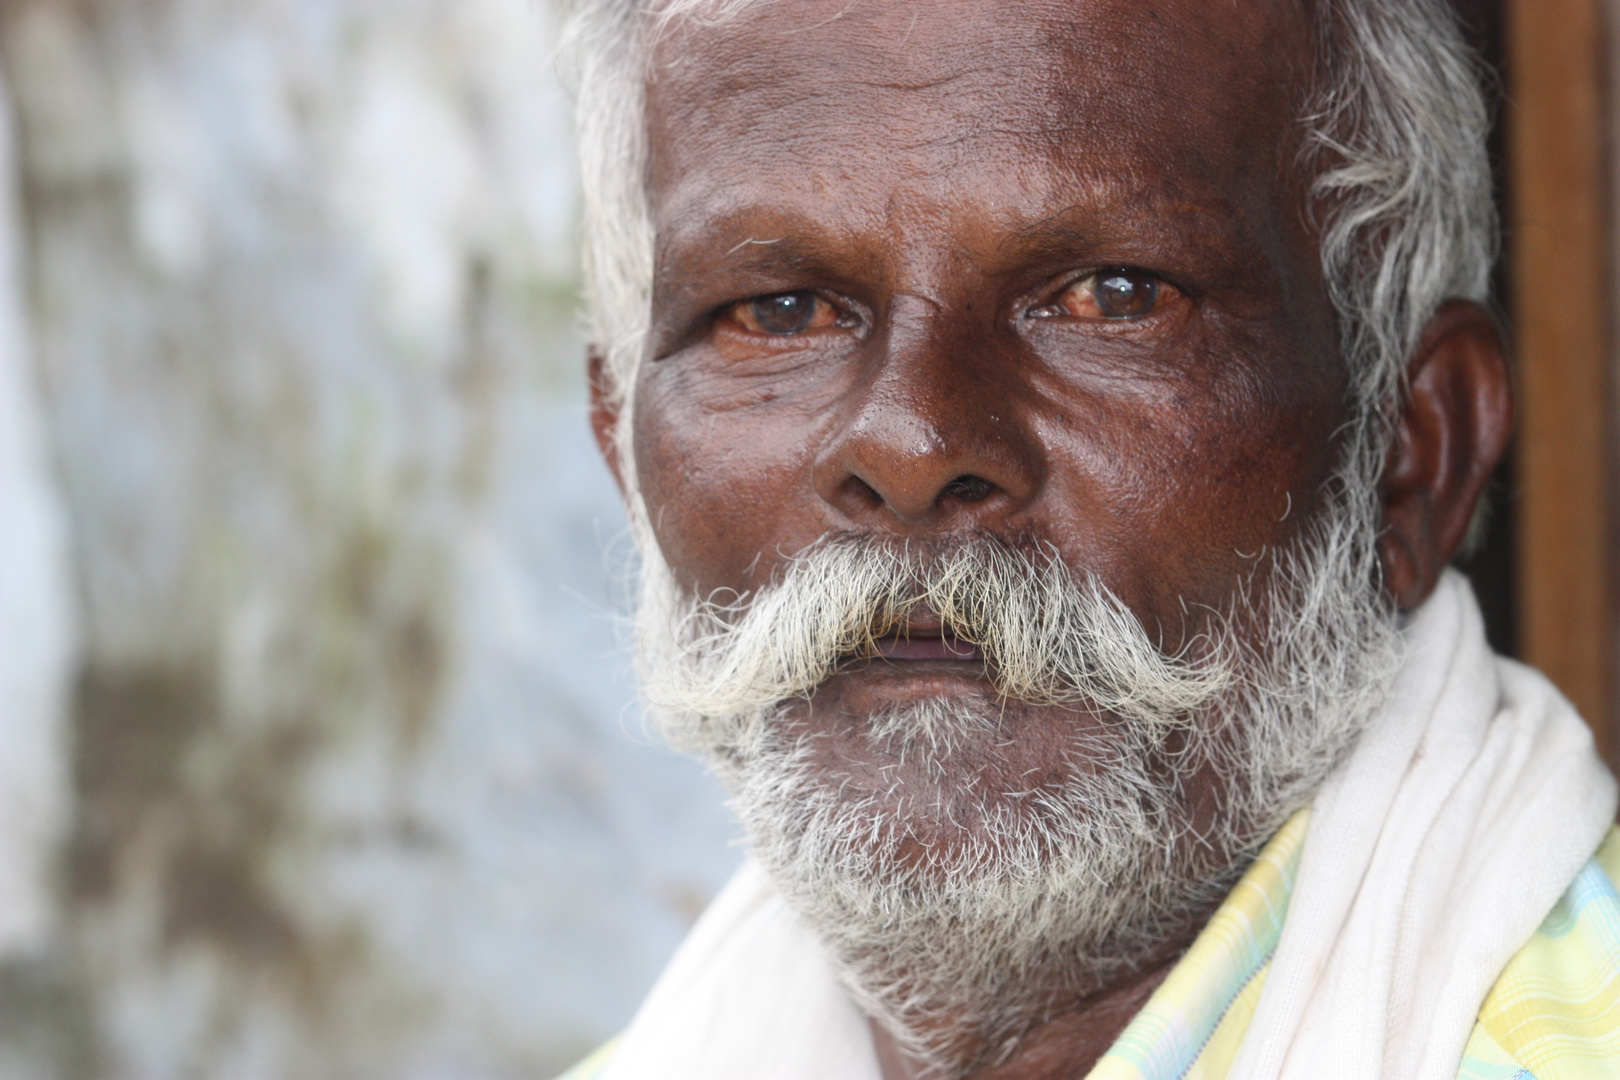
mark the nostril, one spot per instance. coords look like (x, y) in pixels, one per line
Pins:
(865, 494)
(968, 489)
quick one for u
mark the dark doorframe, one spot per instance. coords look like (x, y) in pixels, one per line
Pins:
(1561, 296)
(1555, 530)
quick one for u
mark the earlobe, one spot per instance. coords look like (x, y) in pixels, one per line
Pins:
(604, 412)
(1408, 533)
(1454, 427)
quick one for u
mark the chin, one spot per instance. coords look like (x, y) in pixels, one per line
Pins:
(940, 786)
(949, 858)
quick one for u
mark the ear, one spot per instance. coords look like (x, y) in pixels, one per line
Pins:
(604, 412)
(1454, 427)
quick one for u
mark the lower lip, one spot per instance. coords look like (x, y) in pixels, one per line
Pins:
(927, 648)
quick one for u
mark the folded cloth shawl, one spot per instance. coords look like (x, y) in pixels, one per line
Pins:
(1432, 855)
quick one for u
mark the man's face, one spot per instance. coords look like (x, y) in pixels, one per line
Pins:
(1034, 269)
(1020, 293)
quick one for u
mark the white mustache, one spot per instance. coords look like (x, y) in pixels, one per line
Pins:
(1047, 634)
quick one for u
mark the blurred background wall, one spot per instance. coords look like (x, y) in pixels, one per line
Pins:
(317, 757)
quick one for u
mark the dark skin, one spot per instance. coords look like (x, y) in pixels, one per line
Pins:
(1041, 269)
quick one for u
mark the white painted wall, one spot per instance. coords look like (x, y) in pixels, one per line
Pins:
(358, 786)
(36, 615)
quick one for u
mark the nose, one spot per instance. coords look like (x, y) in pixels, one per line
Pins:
(935, 437)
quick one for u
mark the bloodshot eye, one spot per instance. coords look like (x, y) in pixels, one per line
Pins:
(1125, 294)
(784, 314)
(1114, 293)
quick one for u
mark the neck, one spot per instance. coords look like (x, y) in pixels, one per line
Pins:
(1063, 1047)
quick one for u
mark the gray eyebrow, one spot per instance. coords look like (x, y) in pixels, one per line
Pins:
(745, 243)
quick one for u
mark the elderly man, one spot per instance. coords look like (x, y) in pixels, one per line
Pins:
(1046, 425)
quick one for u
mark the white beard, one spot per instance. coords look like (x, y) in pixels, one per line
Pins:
(964, 912)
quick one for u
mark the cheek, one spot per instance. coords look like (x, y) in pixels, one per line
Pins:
(1184, 482)
(719, 483)
(1251, 471)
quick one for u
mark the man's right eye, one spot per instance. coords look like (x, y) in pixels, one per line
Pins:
(783, 314)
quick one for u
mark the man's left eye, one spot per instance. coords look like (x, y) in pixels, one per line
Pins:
(783, 314)
(1115, 293)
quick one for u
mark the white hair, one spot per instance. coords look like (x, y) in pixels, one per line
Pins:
(1053, 636)
(1402, 196)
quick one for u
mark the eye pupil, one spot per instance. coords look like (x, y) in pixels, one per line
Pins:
(785, 313)
(1124, 294)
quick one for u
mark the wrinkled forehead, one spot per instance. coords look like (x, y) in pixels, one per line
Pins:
(1198, 97)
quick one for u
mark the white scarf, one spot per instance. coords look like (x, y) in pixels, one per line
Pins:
(1466, 809)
